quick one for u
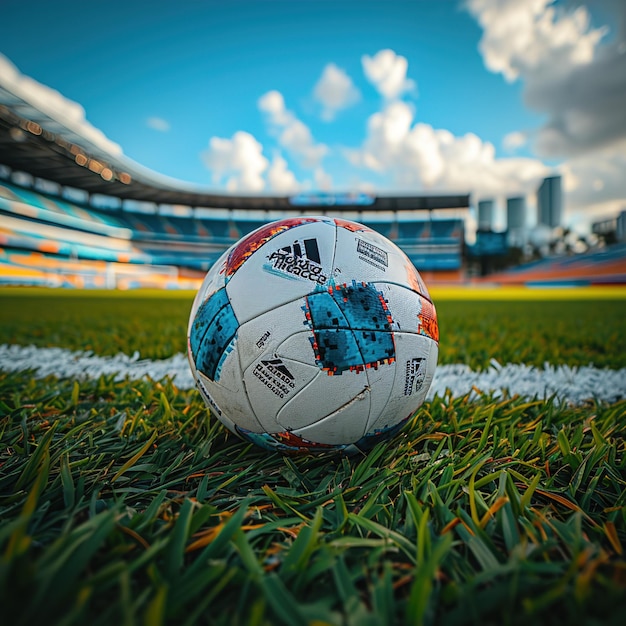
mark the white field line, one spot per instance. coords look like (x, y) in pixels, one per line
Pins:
(570, 384)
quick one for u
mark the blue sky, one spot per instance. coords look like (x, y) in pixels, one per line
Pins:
(414, 96)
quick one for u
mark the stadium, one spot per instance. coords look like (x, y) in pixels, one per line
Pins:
(74, 215)
(123, 500)
(87, 219)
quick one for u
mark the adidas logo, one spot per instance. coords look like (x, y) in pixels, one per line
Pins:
(273, 373)
(278, 367)
(302, 259)
(305, 248)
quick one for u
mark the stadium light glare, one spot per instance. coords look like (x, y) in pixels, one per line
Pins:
(34, 128)
(95, 166)
(17, 134)
(62, 143)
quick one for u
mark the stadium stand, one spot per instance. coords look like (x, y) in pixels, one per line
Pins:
(605, 266)
(155, 231)
(40, 233)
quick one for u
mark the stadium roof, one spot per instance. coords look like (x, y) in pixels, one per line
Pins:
(59, 150)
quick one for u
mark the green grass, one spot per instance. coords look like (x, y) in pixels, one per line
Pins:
(572, 332)
(106, 322)
(126, 502)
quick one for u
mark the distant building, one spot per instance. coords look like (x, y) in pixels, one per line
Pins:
(611, 229)
(516, 213)
(516, 220)
(550, 202)
(621, 226)
(605, 228)
(485, 215)
(489, 243)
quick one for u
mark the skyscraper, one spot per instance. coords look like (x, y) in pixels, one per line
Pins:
(515, 213)
(516, 220)
(485, 215)
(621, 226)
(549, 202)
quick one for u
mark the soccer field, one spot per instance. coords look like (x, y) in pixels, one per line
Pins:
(123, 501)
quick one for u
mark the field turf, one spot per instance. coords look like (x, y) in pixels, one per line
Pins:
(125, 502)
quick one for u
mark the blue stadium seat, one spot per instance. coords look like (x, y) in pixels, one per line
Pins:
(217, 228)
(185, 226)
(411, 230)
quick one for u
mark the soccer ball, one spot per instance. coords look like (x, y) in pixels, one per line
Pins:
(313, 334)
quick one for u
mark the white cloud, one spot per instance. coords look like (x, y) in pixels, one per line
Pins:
(514, 140)
(293, 135)
(238, 161)
(158, 123)
(297, 139)
(386, 70)
(281, 180)
(523, 37)
(273, 104)
(52, 103)
(596, 178)
(335, 90)
(418, 156)
(578, 80)
(323, 180)
(568, 73)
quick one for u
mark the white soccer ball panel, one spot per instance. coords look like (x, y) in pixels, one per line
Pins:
(404, 306)
(409, 311)
(416, 359)
(212, 404)
(271, 382)
(297, 347)
(368, 256)
(322, 397)
(289, 266)
(342, 427)
(232, 407)
(381, 383)
(263, 334)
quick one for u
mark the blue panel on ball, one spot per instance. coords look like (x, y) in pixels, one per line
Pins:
(336, 350)
(212, 334)
(351, 328)
(363, 306)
